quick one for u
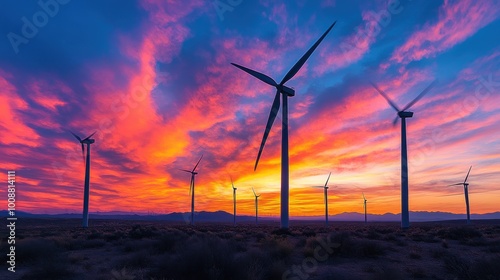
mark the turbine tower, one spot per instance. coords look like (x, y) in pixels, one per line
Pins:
(191, 187)
(234, 202)
(86, 191)
(285, 91)
(466, 193)
(364, 205)
(403, 114)
(256, 206)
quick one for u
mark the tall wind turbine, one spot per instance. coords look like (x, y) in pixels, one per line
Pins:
(86, 191)
(191, 187)
(285, 92)
(326, 197)
(466, 193)
(256, 206)
(234, 202)
(364, 205)
(403, 114)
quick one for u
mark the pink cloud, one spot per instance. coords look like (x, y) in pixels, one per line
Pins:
(13, 128)
(457, 21)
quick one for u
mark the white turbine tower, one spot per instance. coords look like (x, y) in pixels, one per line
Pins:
(191, 187)
(466, 193)
(256, 206)
(364, 206)
(86, 191)
(234, 202)
(325, 188)
(285, 92)
(403, 114)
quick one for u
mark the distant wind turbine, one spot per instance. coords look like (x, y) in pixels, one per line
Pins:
(234, 202)
(286, 92)
(86, 191)
(364, 205)
(403, 114)
(466, 193)
(256, 206)
(326, 197)
(191, 187)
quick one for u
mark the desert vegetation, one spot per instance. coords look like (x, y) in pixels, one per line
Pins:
(61, 249)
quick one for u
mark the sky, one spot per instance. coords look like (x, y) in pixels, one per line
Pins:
(154, 80)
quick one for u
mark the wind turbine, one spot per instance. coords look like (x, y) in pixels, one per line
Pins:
(326, 197)
(256, 205)
(466, 193)
(191, 187)
(234, 202)
(86, 191)
(364, 205)
(403, 114)
(285, 92)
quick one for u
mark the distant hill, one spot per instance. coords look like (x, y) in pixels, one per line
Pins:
(224, 217)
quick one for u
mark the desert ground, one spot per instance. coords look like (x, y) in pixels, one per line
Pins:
(61, 249)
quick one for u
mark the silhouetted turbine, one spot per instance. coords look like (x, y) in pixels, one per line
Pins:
(286, 92)
(364, 206)
(403, 114)
(256, 206)
(191, 187)
(234, 202)
(325, 187)
(466, 193)
(86, 190)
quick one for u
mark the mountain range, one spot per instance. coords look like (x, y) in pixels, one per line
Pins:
(224, 217)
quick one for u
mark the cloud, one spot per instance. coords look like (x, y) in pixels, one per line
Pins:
(457, 21)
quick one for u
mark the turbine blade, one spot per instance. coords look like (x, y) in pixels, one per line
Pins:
(266, 79)
(90, 136)
(197, 163)
(456, 184)
(395, 121)
(272, 116)
(254, 192)
(364, 198)
(328, 179)
(232, 182)
(83, 153)
(185, 170)
(393, 105)
(304, 58)
(191, 186)
(467, 174)
(77, 137)
(424, 92)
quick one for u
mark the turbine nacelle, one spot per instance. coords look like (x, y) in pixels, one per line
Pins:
(405, 114)
(88, 141)
(286, 90)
